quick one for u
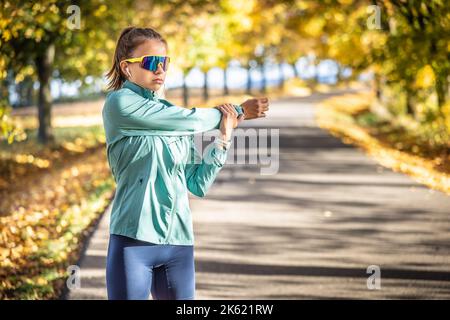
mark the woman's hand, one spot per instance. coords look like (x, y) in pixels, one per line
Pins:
(255, 108)
(230, 120)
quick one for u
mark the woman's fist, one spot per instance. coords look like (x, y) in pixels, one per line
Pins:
(255, 108)
(230, 120)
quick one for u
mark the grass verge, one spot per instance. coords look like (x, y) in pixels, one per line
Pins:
(50, 202)
(398, 145)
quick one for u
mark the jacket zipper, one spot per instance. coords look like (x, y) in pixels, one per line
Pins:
(172, 213)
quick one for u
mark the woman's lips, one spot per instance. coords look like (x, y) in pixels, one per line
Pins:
(158, 80)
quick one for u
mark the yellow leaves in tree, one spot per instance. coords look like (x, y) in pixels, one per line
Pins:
(100, 11)
(425, 77)
(314, 26)
(24, 72)
(6, 35)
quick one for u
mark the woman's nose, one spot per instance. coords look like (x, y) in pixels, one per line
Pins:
(159, 69)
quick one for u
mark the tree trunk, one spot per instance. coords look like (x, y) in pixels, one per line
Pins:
(296, 73)
(409, 103)
(441, 88)
(281, 83)
(377, 86)
(29, 94)
(316, 69)
(263, 78)
(185, 91)
(4, 93)
(225, 84)
(44, 63)
(20, 93)
(338, 73)
(205, 88)
(24, 91)
(249, 81)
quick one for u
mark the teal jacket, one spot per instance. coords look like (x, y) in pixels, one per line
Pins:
(154, 162)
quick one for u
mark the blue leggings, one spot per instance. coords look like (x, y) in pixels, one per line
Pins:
(135, 268)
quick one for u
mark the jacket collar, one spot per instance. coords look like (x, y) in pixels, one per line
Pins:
(146, 93)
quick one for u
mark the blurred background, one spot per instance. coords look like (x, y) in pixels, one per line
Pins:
(380, 68)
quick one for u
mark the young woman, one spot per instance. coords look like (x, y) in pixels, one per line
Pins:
(154, 161)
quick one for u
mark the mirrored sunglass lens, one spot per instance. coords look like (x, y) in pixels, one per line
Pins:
(166, 63)
(162, 61)
(147, 63)
(151, 63)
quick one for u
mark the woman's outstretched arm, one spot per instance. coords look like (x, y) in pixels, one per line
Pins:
(128, 111)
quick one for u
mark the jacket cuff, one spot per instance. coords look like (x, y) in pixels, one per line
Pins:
(217, 155)
(225, 144)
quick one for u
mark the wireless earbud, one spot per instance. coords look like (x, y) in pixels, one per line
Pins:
(129, 73)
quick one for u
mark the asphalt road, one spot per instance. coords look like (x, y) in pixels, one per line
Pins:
(312, 228)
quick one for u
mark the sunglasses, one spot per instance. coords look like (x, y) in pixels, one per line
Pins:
(151, 63)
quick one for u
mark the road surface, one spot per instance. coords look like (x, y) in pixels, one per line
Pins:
(311, 230)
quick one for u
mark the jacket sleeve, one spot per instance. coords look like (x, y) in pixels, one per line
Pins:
(132, 112)
(201, 172)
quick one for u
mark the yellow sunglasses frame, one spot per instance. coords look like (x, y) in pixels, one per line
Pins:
(139, 59)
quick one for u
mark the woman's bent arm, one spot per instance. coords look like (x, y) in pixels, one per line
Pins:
(201, 172)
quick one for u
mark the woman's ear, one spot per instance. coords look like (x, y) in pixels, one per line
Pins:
(125, 69)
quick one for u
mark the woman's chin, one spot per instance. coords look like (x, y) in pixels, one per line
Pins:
(154, 86)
